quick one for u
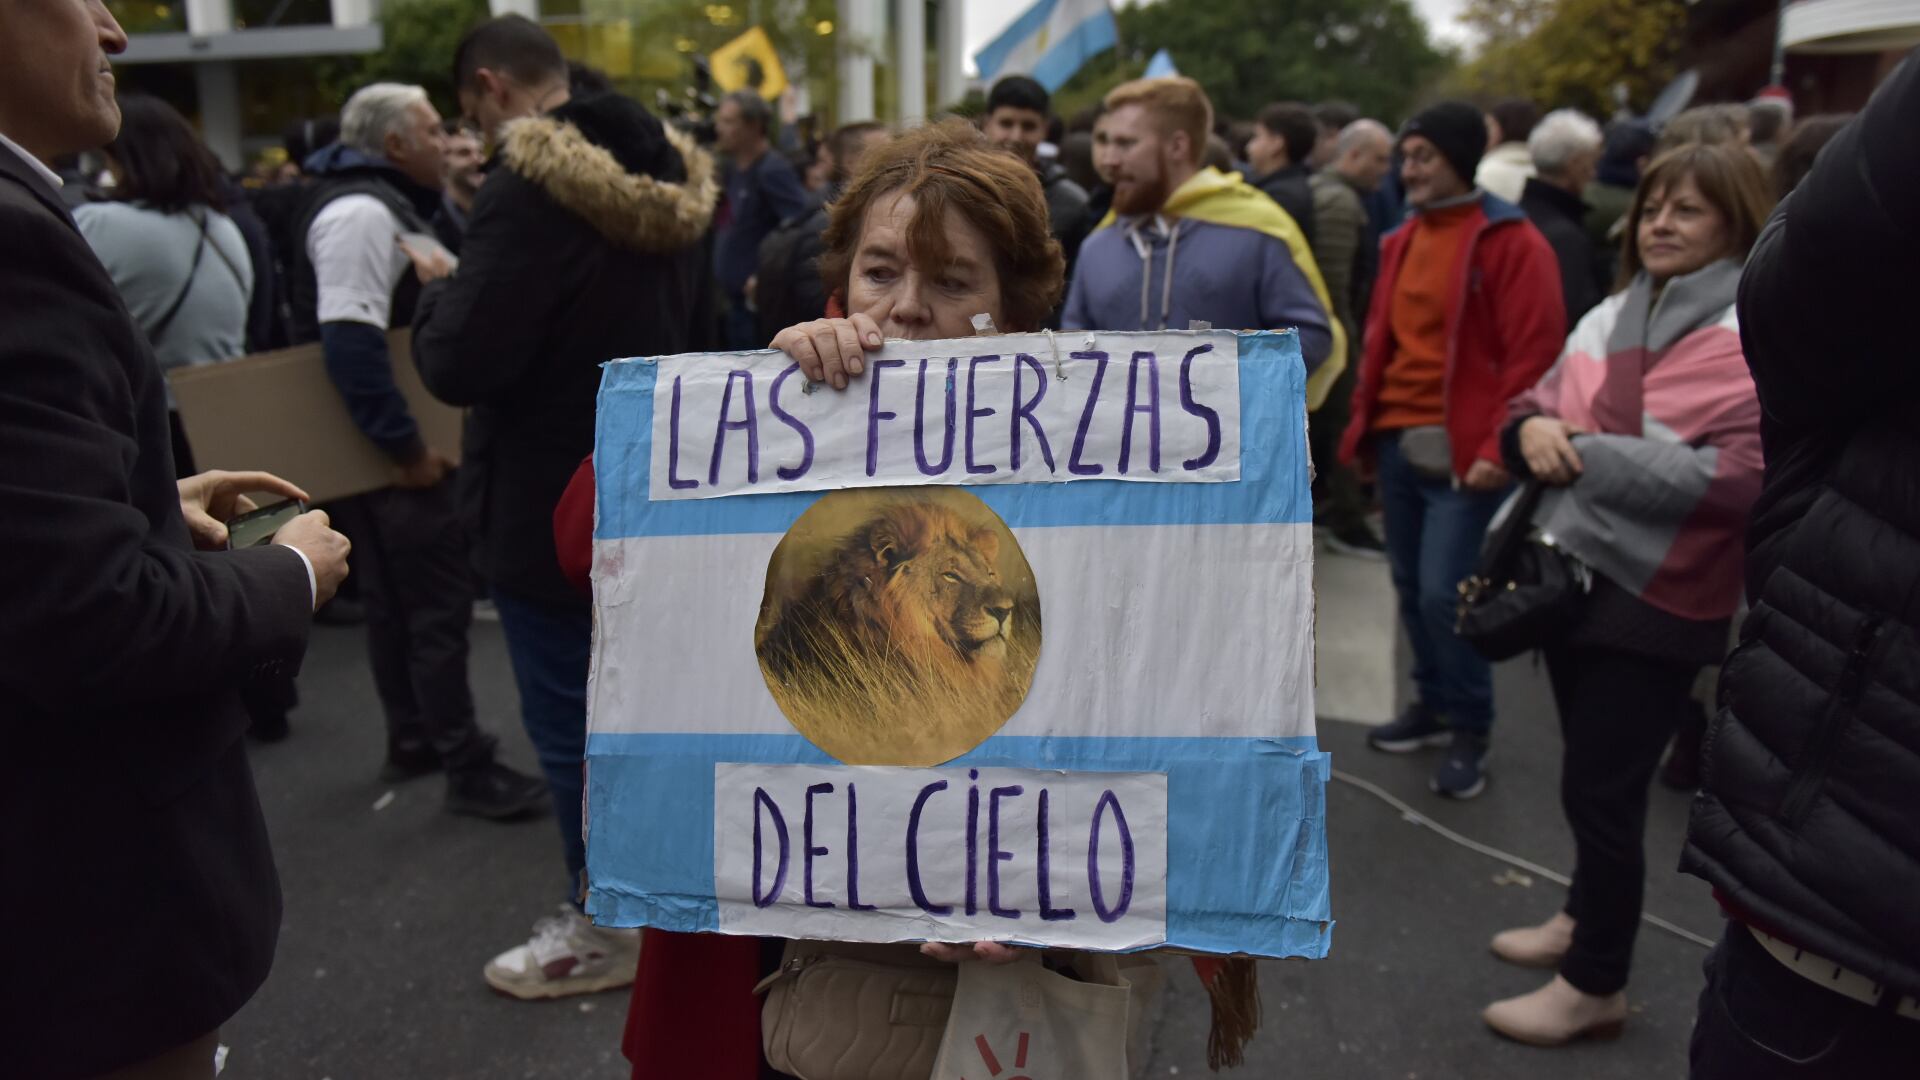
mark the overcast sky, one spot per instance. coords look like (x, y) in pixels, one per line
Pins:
(986, 18)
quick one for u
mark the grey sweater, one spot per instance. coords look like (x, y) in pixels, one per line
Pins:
(148, 253)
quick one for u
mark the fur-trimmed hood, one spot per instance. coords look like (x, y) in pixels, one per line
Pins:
(651, 203)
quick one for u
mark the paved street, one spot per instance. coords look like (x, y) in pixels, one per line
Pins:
(393, 906)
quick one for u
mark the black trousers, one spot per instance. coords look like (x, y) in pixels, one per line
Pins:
(409, 550)
(1617, 711)
(1760, 1021)
(1338, 502)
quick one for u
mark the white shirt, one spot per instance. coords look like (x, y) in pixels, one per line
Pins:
(313, 584)
(52, 178)
(354, 246)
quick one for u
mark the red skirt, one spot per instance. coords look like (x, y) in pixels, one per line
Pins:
(693, 1011)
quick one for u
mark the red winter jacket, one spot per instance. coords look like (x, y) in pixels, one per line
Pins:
(1506, 325)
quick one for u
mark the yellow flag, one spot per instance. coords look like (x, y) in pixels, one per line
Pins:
(748, 62)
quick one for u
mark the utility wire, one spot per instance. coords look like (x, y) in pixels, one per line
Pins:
(1418, 818)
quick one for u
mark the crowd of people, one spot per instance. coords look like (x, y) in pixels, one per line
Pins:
(1607, 336)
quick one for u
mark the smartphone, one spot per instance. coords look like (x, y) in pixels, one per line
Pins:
(429, 244)
(256, 527)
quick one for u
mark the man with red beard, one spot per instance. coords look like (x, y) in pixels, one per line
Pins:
(1187, 244)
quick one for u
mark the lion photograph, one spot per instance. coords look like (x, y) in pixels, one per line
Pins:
(900, 626)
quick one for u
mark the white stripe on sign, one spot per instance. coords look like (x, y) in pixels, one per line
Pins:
(890, 854)
(1230, 650)
(1155, 407)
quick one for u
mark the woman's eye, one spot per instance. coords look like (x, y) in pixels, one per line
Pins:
(879, 273)
(953, 284)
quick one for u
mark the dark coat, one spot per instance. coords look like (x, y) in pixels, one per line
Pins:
(583, 247)
(138, 881)
(1290, 189)
(1807, 821)
(1561, 217)
(1066, 210)
(790, 289)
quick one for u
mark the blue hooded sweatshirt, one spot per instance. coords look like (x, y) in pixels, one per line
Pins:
(1150, 273)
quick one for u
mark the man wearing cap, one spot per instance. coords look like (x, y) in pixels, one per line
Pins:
(1466, 313)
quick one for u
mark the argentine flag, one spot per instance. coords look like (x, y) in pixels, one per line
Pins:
(1145, 497)
(1050, 41)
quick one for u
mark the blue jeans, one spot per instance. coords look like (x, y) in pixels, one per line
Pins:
(548, 647)
(1760, 1021)
(1433, 538)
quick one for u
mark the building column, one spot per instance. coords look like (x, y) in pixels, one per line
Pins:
(217, 83)
(854, 43)
(208, 17)
(910, 60)
(348, 14)
(950, 37)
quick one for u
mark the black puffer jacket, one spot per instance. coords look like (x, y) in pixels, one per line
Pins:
(1289, 187)
(1809, 820)
(584, 246)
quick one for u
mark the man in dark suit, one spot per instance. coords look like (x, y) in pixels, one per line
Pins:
(137, 876)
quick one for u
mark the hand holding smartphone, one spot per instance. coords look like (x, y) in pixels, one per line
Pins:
(256, 527)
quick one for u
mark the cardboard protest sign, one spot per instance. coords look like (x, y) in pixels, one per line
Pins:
(279, 411)
(1011, 640)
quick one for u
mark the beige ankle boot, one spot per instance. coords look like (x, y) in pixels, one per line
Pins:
(1557, 1014)
(1536, 946)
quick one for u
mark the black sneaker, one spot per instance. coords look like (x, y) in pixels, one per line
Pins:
(409, 763)
(1462, 775)
(1415, 728)
(494, 792)
(1358, 542)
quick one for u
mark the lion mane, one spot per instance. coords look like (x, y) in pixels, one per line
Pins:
(913, 586)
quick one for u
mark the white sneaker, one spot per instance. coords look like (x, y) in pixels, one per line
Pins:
(567, 955)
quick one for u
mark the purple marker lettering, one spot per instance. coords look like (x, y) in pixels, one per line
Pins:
(1047, 911)
(673, 443)
(806, 838)
(1086, 417)
(1024, 410)
(1212, 418)
(920, 422)
(766, 899)
(913, 851)
(973, 369)
(875, 414)
(1151, 408)
(853, 854)
(806, 437)
(1100, 908)
(973, 841)
(994, 855)
(747, 424)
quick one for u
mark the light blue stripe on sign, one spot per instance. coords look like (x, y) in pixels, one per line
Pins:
(1272, 489)
(1264, 854)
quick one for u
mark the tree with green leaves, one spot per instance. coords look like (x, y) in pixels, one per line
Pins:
(1574, 52)
(1249, 53)
(418, 38)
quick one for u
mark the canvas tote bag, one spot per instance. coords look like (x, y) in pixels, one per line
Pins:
(1023, 1020)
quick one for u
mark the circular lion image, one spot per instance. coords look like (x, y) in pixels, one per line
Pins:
(900, 626)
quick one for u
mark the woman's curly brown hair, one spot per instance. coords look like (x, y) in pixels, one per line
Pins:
(951, 165)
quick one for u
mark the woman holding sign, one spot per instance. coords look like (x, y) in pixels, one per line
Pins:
(1647, 433)
(938, 227)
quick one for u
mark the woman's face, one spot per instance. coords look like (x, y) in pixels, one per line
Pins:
(1680, 231)
(920, 303)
